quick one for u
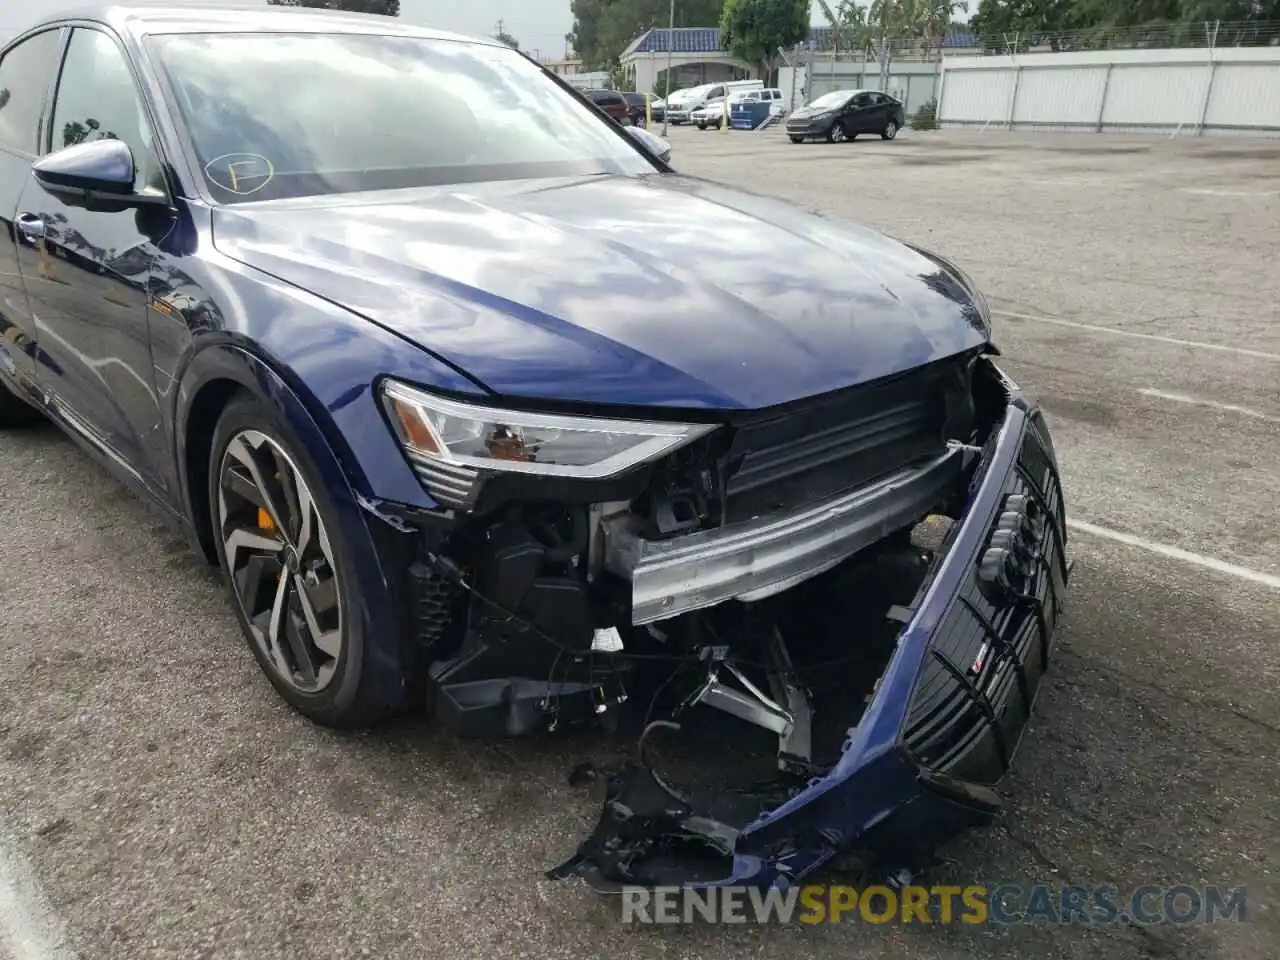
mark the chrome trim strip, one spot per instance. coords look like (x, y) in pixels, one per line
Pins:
(753, 560)
(90, 436)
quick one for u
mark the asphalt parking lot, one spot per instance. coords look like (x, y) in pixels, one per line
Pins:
(166, 803)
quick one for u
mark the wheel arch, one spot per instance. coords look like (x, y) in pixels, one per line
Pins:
(214, 376)
(202, 420)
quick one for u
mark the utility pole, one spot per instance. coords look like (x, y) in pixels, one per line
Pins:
(671, 45)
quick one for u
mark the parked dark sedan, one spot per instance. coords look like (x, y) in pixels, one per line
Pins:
(636, 107)
(612, 103)
(843, 114)
(481, 407)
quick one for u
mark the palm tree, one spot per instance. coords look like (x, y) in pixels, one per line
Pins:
(848, 25)
(928, 21)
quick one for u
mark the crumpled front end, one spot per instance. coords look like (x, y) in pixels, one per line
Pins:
(819, 628)
(939, 729)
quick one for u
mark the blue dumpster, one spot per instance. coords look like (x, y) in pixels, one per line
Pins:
(748, 114)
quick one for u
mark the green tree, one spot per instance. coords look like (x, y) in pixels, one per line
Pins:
(388, 8)
(755, 30)
(999, 22)
(1073, 24)
(847, 23)
(927, 21)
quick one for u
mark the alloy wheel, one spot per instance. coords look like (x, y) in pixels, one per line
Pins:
(891, 130)
(837, 133)
(280, 560)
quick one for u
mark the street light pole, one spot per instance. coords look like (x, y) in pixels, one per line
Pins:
(671, 44)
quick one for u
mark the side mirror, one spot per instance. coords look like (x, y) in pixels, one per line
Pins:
(651, 142)
(97, 176)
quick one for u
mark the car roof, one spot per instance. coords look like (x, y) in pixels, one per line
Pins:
(142, 17)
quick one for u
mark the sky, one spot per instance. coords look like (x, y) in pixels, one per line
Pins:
(537, 24)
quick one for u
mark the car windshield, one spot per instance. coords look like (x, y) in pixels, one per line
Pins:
(374, 113)
(835, 98)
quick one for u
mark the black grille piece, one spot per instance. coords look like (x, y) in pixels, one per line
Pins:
(991, 649)
(433, 599)
(846, 440)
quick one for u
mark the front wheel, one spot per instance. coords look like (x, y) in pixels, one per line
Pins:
(702, 126)
(287, 561)
(797, 139)
(836, 134)
(890, 131)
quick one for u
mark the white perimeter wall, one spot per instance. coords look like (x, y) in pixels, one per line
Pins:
(1228, 90)
(914, 82)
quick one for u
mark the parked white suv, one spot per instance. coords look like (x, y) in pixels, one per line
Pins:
(713, 112)
(776, 105)
(708, 94)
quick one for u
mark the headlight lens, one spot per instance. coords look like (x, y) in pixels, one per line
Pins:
(451, 442)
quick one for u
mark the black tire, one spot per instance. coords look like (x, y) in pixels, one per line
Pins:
(797, 139)
(16, 412)
(346, 700)
(702, 126)
(890, 131)
(837, 133)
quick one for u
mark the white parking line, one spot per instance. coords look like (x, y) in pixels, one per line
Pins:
(1209, 192)
(1212, 404)
(29, 930)
(1196, 344)
(1176, 553)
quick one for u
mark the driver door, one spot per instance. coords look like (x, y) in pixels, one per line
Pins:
(860, 114)
(26, 73)
(88, 274)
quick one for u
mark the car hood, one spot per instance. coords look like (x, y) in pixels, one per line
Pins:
(807, 113)
(655, 290)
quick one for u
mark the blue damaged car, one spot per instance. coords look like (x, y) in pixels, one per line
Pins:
(484, 409)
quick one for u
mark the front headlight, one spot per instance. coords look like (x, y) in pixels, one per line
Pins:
(452, 443)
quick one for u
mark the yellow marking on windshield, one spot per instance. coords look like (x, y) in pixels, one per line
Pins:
(240, 173)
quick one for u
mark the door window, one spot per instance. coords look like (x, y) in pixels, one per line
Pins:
(97, 99)
(862, 100)
(25, 73)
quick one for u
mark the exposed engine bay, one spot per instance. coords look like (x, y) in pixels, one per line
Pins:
(734, 607)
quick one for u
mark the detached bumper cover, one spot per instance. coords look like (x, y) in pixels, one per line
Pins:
(948, 712)
(753, 560)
